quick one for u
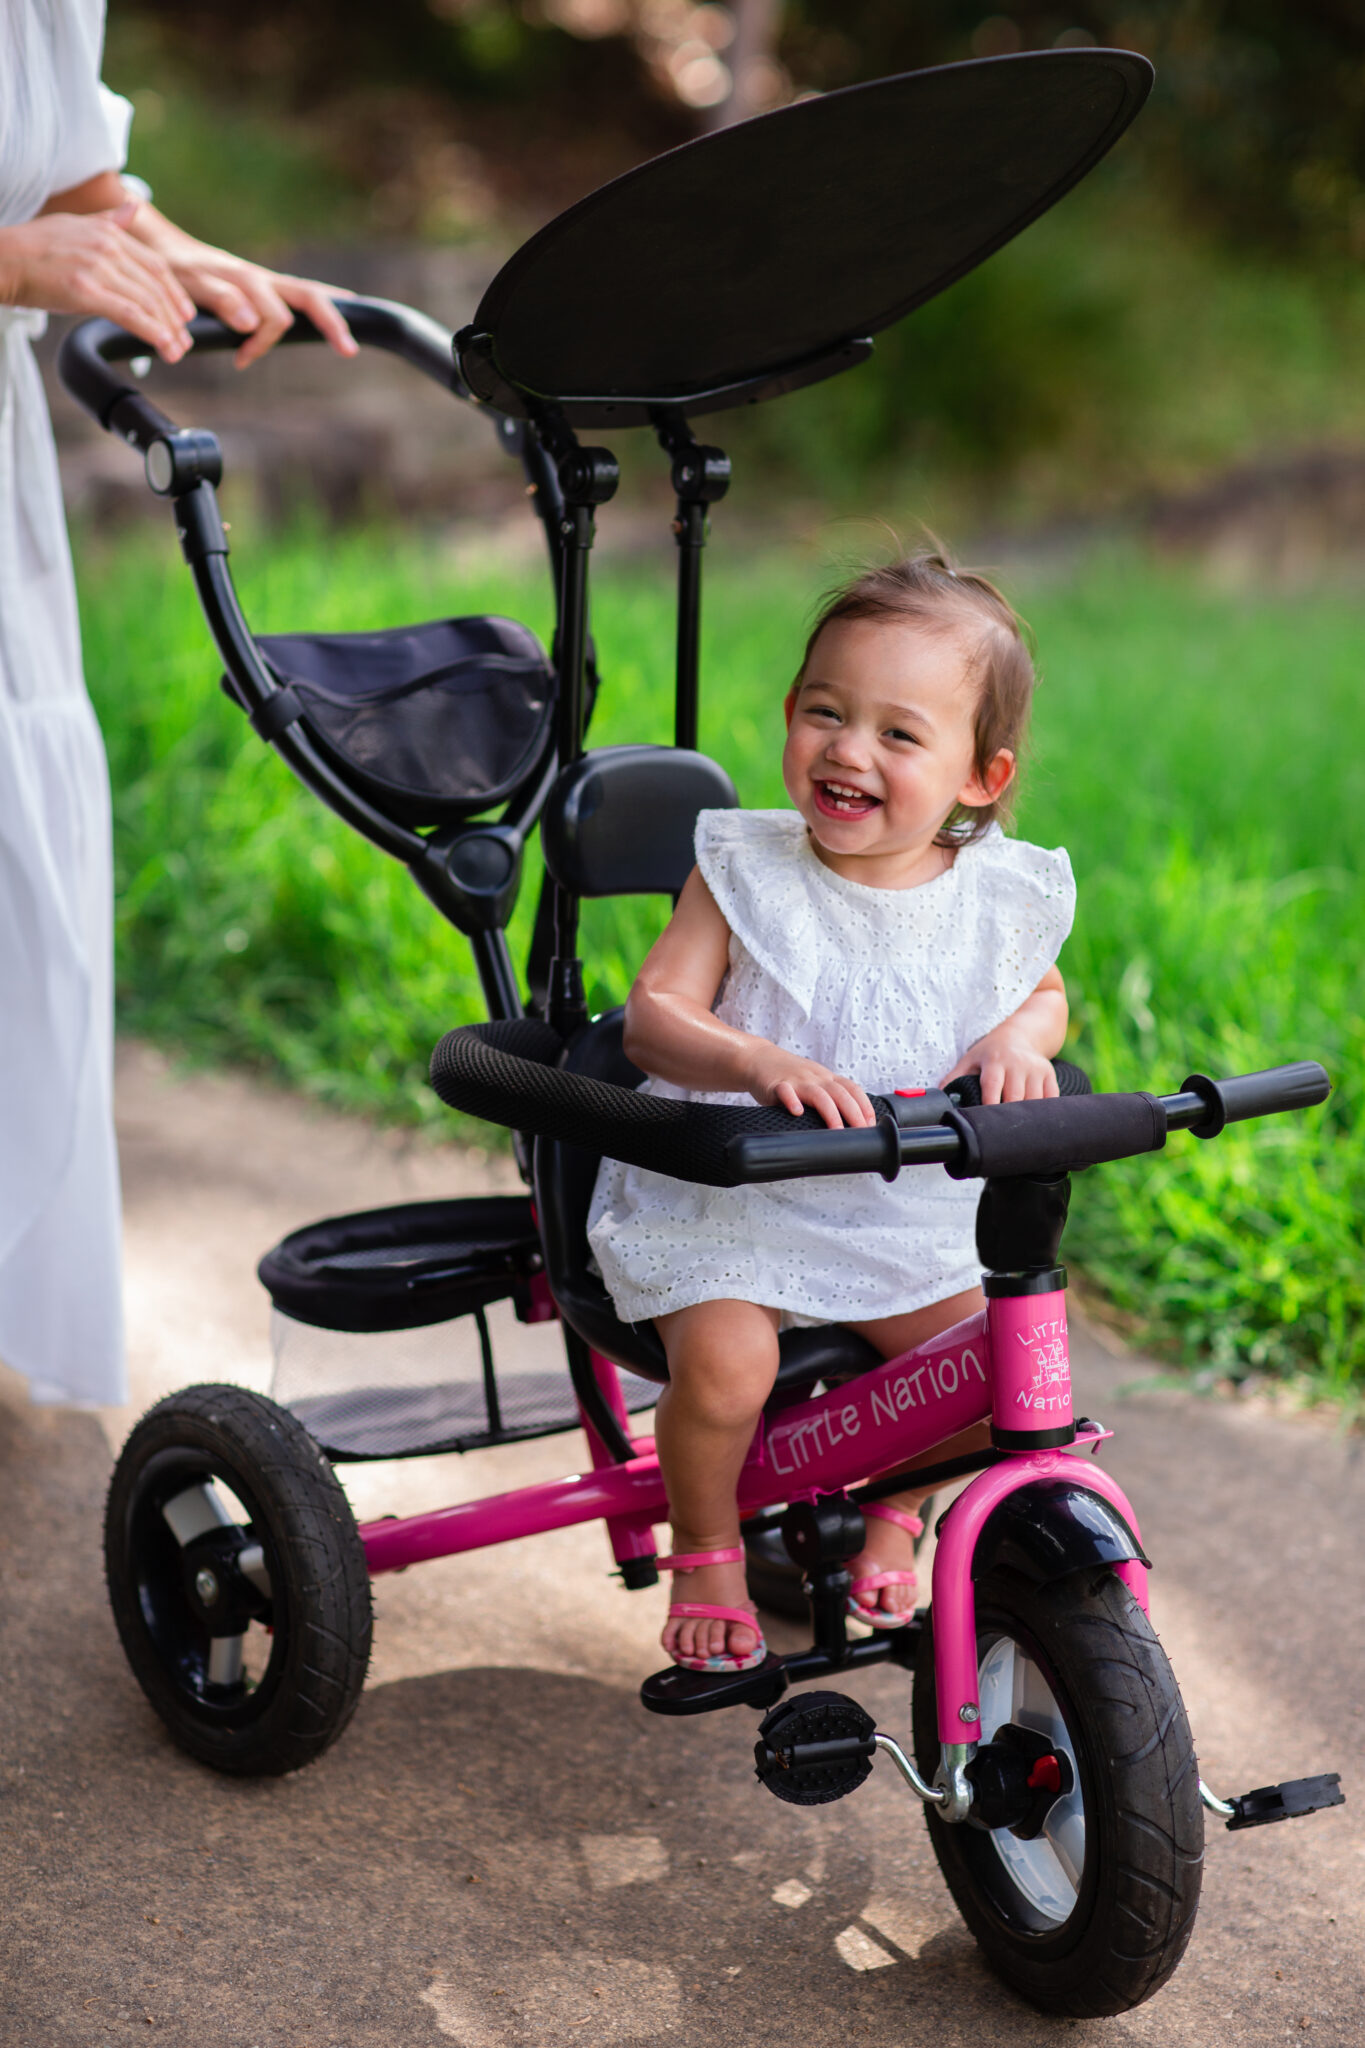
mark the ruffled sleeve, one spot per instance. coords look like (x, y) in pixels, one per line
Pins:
(94, 121)
(1019, 903)
(751, 863)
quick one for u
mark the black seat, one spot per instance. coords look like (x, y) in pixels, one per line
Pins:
(433, 723)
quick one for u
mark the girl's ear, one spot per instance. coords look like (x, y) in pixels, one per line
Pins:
(980, 790)
(789, 705)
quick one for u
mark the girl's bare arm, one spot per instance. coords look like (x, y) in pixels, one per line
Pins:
(672, 1032)
(1015, 1060)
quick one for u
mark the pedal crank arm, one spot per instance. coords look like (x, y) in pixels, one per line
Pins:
(1269, 1803)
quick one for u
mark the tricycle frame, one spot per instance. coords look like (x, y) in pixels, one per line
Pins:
(1011, 1357)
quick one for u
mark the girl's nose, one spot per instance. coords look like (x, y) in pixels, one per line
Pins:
(846, 750)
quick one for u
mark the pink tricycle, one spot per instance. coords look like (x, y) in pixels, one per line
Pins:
(1049, 1744)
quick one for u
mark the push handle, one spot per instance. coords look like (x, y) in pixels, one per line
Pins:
(1298, 1086)
(88, 353)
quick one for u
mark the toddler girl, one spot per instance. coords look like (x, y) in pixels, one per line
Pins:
(885, 934)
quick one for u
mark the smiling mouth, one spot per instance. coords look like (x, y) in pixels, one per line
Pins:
(842, 800)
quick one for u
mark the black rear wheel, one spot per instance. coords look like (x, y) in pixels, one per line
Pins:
(238, 1580)
(1091, 1914)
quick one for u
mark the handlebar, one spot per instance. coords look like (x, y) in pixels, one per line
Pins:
(506, 1073)
(85, 357)
(1057, 1135)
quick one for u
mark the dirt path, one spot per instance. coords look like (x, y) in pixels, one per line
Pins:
(504, 1851)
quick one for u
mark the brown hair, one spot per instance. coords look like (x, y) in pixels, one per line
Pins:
(928, 589)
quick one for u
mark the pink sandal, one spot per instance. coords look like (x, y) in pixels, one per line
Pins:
(872, 1582)
(702, 1610)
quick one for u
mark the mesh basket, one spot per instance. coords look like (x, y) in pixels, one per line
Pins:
(408, 1393)
(381, 1331)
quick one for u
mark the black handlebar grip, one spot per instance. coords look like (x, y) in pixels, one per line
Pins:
(1056, 1135)
(797, 1154)
(1298, 1086)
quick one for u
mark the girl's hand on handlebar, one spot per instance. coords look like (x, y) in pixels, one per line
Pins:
(89, 262)
(1011, 1068)
(245, 296)
(782, 1079)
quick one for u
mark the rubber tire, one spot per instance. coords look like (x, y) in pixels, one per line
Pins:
(1139, 1889)
(321, 1610)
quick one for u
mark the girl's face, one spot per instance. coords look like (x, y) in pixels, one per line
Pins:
(881, 746)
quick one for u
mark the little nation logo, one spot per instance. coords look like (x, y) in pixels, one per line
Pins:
(1049, 1390)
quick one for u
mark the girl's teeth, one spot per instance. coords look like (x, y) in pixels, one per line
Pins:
(845, 799)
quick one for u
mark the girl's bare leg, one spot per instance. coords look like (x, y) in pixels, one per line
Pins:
(722, 1361)
(889, 1547)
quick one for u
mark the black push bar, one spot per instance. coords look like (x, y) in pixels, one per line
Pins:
(508, 1073)
(86, 357)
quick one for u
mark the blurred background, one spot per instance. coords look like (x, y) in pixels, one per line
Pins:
(1148, 412)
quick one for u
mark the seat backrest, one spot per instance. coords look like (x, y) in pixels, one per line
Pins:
(620, 821)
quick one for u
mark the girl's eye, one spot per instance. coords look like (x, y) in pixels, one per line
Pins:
(896, 734)
(822, 711)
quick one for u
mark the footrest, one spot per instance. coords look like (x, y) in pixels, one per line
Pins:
(1286, 1802)
(675, 1691)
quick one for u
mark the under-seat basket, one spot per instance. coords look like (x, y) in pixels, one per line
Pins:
(433, 723)
(381, 1338)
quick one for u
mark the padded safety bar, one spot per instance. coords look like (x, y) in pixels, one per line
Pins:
(505, 1073)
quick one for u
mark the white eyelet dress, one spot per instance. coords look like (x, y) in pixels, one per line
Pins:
(60, 1240)
(888, 986)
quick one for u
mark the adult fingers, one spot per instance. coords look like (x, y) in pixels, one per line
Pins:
(317, 301)
(160, 277)
(118, 269)
(218, 294)
(274, 318)
(126, 293)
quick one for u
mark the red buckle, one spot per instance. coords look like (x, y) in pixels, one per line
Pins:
(911, 1093)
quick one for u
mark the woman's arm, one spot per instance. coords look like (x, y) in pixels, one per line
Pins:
(94, 250)
(82, 259)
(1015, 1060)
(672, 1032)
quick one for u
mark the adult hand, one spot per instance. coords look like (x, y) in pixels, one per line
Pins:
(245, 296)
(90, 263)
(781, 1077)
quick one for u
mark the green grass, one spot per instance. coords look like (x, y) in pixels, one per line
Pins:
(1200, 756)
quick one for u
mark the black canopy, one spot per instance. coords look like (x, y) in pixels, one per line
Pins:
(754, 260)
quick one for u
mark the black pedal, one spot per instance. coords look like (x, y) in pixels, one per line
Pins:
(814, 1749)
(1286, 1802)
(675, 1691)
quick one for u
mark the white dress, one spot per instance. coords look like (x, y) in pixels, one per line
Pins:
(888, 986)
(60, 1315)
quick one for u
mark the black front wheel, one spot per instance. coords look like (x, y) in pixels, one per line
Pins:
(1086, 1909)
(238, 1580)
